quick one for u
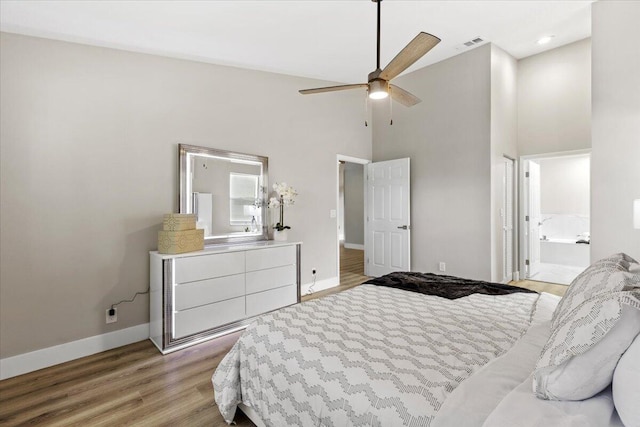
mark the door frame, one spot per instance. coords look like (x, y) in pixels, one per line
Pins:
(515, 272)
(523, 234)
(357, 160)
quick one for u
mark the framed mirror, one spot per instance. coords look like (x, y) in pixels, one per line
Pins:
(226, 191)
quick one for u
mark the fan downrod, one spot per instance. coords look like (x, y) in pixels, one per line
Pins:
(378, 39)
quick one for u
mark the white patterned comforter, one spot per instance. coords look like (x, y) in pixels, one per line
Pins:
(371, 356)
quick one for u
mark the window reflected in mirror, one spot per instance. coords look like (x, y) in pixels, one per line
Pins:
(243, 199)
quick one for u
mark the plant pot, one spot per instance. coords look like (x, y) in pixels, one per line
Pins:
(280, 235)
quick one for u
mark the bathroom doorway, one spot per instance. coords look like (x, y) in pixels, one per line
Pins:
(556, 238)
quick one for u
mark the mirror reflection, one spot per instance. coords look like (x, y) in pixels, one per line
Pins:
(226, 191)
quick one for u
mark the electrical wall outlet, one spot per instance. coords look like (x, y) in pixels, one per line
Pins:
(442, 266)
(114, 318)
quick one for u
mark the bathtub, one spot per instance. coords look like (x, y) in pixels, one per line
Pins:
(564, 252)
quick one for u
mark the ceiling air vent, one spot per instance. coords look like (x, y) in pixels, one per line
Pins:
(470, 43)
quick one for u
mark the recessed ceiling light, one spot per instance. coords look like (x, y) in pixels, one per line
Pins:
(544, 40)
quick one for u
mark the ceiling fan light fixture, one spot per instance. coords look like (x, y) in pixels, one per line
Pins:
(378, 89)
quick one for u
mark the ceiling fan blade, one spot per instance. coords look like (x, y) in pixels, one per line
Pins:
(420, 45)
(403, 97)
(332, 88)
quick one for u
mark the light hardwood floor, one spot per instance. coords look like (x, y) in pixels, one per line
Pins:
(551, 288)
(136, 385)
(131, 385)
(351, 273)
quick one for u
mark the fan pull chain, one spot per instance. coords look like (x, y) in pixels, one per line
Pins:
(390, 111)
(366, 108)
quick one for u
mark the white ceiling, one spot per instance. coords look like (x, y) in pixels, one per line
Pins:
(329, 40)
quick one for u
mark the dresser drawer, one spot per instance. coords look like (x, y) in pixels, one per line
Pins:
(190, 269)
(270, 300)
(261, 259)
(209, 316)
(194, 294)
(263, 280)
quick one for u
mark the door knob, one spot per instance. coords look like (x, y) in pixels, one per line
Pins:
(403, 227)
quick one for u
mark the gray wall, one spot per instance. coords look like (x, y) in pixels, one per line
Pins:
(89, 165)
(554, 100)
(564, 185)
(504, 136)
(353, 204)
(447, 137)
(615, 161)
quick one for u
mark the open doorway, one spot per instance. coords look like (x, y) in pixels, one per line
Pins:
(351, 217)
(556, 222)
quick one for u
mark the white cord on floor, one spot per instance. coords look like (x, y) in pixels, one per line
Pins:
(310, 291)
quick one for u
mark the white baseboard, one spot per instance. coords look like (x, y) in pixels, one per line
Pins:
(39, 359)
(50, 356)
(320, 285)
(354, 246)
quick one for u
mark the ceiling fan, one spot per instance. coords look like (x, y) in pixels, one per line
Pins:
(378, 86)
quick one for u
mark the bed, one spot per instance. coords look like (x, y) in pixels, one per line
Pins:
(397, 352)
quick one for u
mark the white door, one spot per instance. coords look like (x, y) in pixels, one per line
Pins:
(534, 218)
(507, 221)
(388, 226)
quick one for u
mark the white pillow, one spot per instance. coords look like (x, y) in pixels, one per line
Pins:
(596, 279)
(582, 352)
(626, 385)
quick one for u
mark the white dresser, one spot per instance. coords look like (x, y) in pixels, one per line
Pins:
(201, 295)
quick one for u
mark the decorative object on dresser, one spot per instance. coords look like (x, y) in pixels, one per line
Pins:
(179, 234)
(285, 196)
(202, 295)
